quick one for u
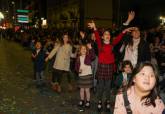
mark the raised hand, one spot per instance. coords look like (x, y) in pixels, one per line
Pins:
(33, 55)
(89, 45)
(130, 29)
(92, 25)
(46, 59)
(131, 16)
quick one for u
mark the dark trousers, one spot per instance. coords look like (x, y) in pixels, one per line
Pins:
(58, 74)
(103, 87)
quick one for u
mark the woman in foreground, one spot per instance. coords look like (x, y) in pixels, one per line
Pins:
(142, 95)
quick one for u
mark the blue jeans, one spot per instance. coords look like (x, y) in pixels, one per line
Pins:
(39, 77)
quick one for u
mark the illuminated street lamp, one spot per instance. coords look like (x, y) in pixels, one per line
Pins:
(1, 16)
(162, 18)
(44, 23)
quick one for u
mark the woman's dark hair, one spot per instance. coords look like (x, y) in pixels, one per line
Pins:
(126, 62)
(130, 40)
(150, 99)
(69, 39)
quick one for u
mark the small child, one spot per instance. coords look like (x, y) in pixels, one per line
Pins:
(38, 56)
(123, 78)
(83, 67)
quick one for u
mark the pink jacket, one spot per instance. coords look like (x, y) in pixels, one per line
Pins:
(137, 106)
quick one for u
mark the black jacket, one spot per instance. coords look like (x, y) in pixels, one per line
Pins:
(144, 53)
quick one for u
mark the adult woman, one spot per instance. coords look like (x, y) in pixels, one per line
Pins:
(137, 50)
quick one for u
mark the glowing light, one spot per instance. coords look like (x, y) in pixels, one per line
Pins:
(1, 16)
(44, 22)
(162, 18)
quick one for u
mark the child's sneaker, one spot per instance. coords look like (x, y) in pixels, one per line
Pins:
(87, 104)
(107, 106)
(99, 106)
(81, 103)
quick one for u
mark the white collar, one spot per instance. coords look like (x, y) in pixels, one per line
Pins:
(106, 41)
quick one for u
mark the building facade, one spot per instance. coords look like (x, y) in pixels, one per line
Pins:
(77, 13)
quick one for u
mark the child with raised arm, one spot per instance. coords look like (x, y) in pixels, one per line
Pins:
(106, 61)
(61, 66)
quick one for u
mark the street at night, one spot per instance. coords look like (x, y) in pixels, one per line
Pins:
(82, 57)
(18, 92)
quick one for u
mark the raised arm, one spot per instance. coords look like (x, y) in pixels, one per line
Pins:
(97, 36)
(120, 36)
(53, 52)
(131, 16)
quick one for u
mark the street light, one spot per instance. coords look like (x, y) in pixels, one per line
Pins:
(13, 2)
(162, 18)
(1, 16)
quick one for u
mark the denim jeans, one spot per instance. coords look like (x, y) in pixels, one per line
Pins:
(39, 77)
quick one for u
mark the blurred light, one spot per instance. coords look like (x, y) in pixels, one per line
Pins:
(22, 18)
(23, 11)
(23, 21)
(13, 2)
(42, 18)
(1, 16)
(44, 22)
(162, 18)
(2, 27)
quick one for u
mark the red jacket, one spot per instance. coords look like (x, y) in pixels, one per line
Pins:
(106, 55)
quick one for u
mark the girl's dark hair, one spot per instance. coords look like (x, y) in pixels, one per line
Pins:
(126, 62)
(150, 99)
(69, 39)
(102, 41)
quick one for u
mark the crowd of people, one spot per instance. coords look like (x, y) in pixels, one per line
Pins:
(128, 61)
